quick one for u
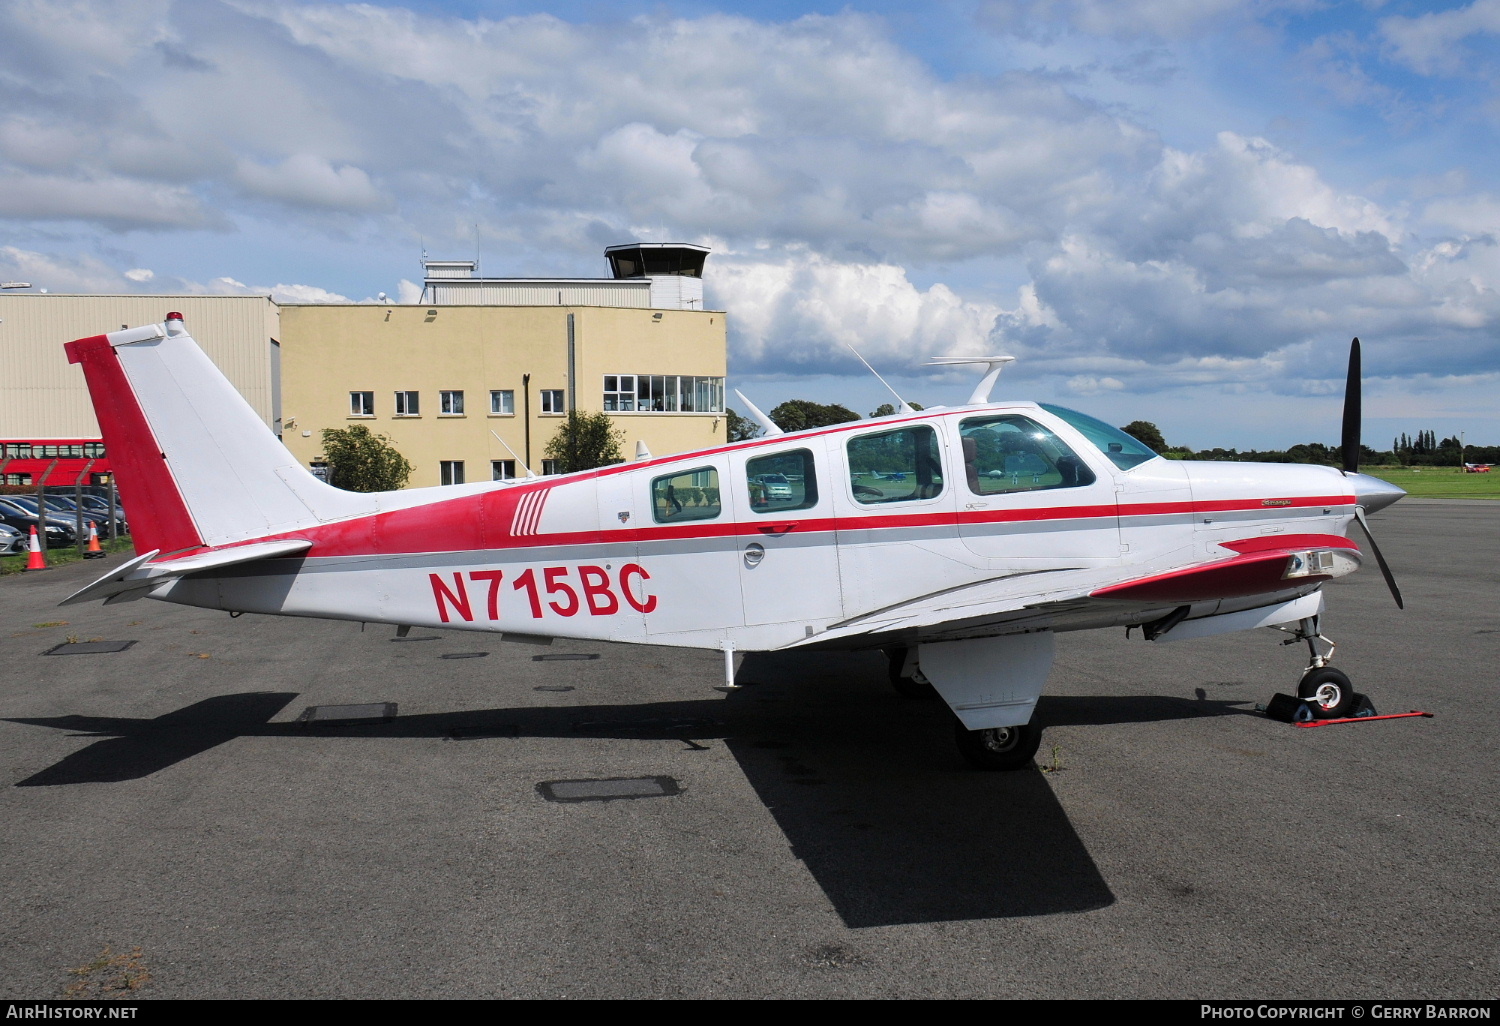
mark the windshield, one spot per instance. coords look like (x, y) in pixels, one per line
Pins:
(1123, 450)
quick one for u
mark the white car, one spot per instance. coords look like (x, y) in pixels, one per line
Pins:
(777, 486)
(13, 541)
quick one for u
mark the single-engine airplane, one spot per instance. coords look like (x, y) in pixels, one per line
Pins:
(990, 528)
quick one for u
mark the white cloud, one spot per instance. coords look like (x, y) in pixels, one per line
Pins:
(140, 274)
(307, 180)
(1431, 43)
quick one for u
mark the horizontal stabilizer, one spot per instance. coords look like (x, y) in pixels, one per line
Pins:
(140, 573)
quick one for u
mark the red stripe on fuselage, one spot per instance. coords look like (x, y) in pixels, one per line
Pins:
(507, 519)
(159, 518)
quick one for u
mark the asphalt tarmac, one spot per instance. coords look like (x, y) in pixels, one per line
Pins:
(818, 837)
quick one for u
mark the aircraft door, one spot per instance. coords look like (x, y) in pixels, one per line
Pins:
(788, 556)
(1027, 496)
(688, 547)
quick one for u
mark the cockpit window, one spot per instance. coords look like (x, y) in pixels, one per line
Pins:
(1011, 453)
(1123, 450)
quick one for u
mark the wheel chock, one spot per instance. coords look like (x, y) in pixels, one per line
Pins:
(1366, 719)
(1288, 709)
(1363, 708)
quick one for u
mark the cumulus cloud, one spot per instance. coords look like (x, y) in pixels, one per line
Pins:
(852, 192)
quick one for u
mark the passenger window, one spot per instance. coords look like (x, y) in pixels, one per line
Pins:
(1011, 453)
(782, 482)
(895, 466)
(690, 495)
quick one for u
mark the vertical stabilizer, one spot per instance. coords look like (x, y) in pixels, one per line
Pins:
(195, 465)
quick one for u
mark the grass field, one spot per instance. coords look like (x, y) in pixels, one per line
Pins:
(1440, 482)
(15, 564)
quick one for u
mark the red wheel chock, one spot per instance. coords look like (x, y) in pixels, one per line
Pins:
(1363, 719)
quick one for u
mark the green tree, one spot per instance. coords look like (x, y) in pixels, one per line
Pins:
(801, 414)
(585, 441)
(1146, 433)
(359, 461)
(739, 428)
(886, 409)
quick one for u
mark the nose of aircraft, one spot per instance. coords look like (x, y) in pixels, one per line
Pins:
(1374, 494)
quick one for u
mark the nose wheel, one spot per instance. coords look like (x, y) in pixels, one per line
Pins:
(1327, 691)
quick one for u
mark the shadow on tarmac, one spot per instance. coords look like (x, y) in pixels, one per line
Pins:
(866, 786)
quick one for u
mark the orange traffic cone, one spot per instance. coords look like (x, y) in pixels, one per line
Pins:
(35, 560)
(93, 551)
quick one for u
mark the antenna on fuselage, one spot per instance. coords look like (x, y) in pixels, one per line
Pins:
(902, 405)
(765, 422)
(513, 454)
(993, 366)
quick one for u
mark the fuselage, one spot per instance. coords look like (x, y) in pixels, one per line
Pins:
(787, 540)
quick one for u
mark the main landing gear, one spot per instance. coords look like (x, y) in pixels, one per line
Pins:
(1327, 691)
(1000, 748)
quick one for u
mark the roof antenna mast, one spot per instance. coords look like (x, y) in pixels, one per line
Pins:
(993, 366)
(901, 404)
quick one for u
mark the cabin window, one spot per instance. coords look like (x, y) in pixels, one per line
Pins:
(895, 466)
(782, 482)
(1123, 450)
(689, 495)
(1011, 453)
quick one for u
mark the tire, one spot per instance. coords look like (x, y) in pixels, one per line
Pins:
(1002, 748)
(916, 687)
(1328, 692)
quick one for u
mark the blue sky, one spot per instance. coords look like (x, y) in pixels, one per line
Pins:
(1175, 210)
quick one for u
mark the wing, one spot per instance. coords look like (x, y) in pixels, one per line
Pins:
(1263, 571)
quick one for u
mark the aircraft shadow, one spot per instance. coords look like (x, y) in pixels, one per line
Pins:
(870, 791)
(866, 786)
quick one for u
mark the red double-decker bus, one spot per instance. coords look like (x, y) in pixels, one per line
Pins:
(56, 462)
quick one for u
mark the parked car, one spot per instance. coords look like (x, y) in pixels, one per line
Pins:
(16, 514)
(13, 541)
(64, 507)
(777, 486)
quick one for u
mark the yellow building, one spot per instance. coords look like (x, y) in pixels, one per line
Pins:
(473, 386)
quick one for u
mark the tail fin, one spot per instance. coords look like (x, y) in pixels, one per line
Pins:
(196, 465)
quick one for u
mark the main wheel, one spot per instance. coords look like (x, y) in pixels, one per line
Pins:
(1329, 693)
(916, 686)
(1000, 748)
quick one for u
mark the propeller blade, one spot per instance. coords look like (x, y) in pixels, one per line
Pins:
(1390, 579)
(1352, 412)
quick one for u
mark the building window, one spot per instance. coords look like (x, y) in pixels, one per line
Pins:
(451, 403)
(362, 404)
(549, 467)
(692, 495)
(502, 470)
(663, 393)
(553, 401)
(407, 405)
(502, 402)
(452, 471)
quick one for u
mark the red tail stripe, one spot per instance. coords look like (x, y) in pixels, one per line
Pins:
(159, 518)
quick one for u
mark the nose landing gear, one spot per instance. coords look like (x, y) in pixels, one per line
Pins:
(1328, 692)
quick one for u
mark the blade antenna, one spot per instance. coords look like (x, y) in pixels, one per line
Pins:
(993, 366)
(513, 454)
(901, 404)
(766, 423)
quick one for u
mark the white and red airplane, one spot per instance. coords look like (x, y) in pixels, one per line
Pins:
(960, 541)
